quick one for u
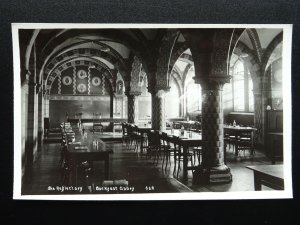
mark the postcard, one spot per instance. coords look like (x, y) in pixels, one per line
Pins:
(152, 111)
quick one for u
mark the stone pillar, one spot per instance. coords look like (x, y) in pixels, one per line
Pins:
(158, 110)
(46, 105)
(212, 169)
(258, 116)
(111, 112)
(40, 119)
(111, 106)
(131, 108)
(132, 104)
(266, 99)
(32, 119)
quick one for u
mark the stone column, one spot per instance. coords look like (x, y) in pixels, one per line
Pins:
(258, 116)
(131, 108)
(40, 119)
(111, 112)
(32, 119)
(212, 169)
(46, 104)
(132, 104)
(158, 110)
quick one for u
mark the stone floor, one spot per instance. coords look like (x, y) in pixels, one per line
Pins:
(142, 174)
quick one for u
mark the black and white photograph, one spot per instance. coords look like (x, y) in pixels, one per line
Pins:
(152, 111)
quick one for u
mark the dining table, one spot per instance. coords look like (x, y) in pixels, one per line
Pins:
(236, 131)
(187, 139)
(142, 130)
(90, 151)
(268, 175)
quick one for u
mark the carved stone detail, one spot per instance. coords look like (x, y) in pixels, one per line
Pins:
(213, 169)
(135, 75)
(163, 62)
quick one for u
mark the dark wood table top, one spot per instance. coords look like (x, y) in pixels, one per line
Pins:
(88, 148)
(238, 128)
(189, 139)
(271, 170)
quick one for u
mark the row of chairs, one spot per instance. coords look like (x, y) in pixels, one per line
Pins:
(133, 138)
(159, 146)
(164, 147)
(243, 142)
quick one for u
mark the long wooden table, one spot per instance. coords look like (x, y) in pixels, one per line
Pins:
(188, 140)
(91, 120)
(80, 153)
(268, 175)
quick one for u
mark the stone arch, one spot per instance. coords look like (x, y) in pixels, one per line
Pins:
(175, 74)
(85, 52)
(30, 47)
(252, 61)
(185, 72)
(165, 53)
(177, 53)
(252, 33)
(112, 34)
(133, 85)
(88, 62)
(269, 50)
(253, 65)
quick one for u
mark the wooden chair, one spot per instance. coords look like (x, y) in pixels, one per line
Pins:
(125, 135)
(167, 148)
(178, 155)
(245, 142)
(153, 144)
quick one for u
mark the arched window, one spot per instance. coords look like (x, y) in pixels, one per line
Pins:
(172, 101)
(193, 92)
(241, 88)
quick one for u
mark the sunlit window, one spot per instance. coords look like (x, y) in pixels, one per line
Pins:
(238, 87)
(242, 88)
(193, 92)
(172, 102)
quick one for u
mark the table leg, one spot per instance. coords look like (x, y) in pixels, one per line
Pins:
(257, 182)
(236, 147)
(185, 162)
(106, 167)
(141, 145)
(74, 174)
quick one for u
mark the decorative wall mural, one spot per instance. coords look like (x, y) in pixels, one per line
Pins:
(81, 80)
(81, 88)
(96, 81)
(67, 80)
(81, 74)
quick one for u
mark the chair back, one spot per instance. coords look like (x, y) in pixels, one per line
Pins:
(152, 139)
(176, 141)
(124, 129)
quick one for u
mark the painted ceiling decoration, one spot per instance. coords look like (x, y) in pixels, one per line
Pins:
(118, 63)
(81, 74)
(81, 80)
(113, 51)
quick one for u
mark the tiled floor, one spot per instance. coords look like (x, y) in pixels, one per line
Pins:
(141, 173)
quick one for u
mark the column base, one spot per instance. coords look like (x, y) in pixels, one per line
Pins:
(214, 175)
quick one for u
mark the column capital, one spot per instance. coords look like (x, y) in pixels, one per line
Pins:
(132, 93)
(159, 92)
(212, 83)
